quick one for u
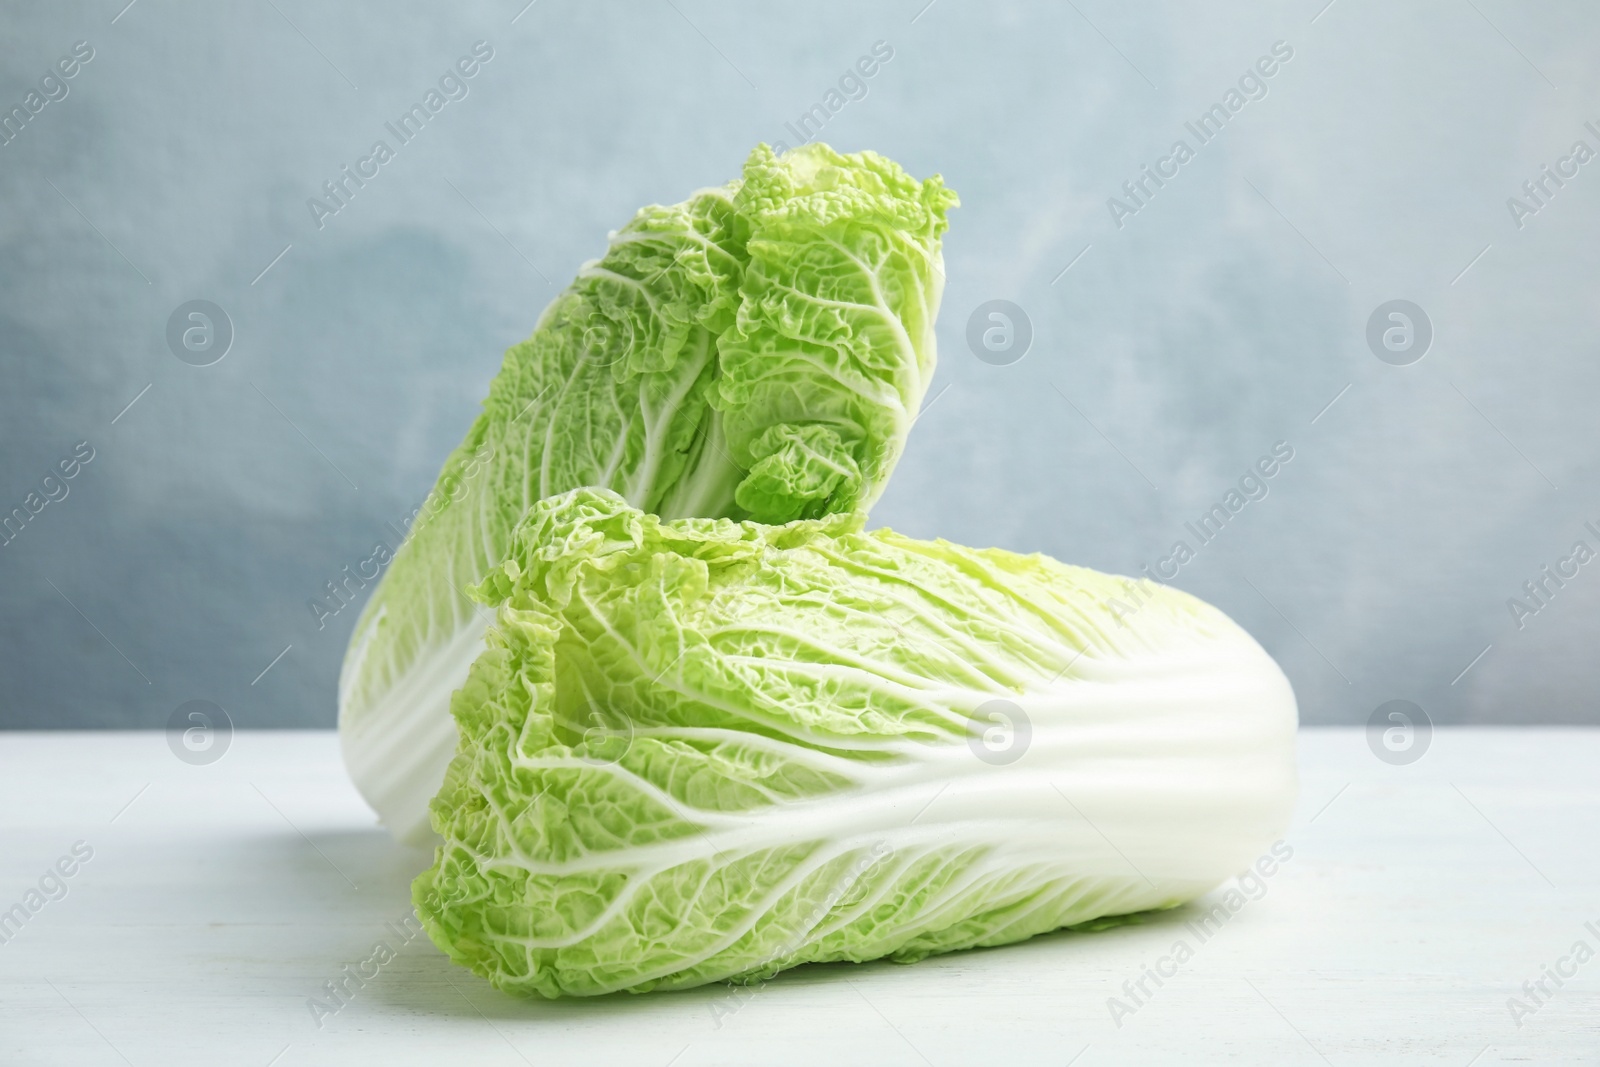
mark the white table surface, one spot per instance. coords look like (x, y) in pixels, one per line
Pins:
(220, 898)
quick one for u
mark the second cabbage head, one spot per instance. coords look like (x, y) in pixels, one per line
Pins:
(757, 351)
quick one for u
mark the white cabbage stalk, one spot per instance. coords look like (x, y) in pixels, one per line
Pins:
(701, 751)
(757, 351)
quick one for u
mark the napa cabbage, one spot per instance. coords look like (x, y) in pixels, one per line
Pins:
(757, 351)
(704, 750)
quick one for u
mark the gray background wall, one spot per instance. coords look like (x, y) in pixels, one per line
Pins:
(1218, 320)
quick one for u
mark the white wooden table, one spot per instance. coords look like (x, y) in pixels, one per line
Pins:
(219, 899)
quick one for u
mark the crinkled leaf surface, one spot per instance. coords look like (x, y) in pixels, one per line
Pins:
(757, 351)
(707, 750)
